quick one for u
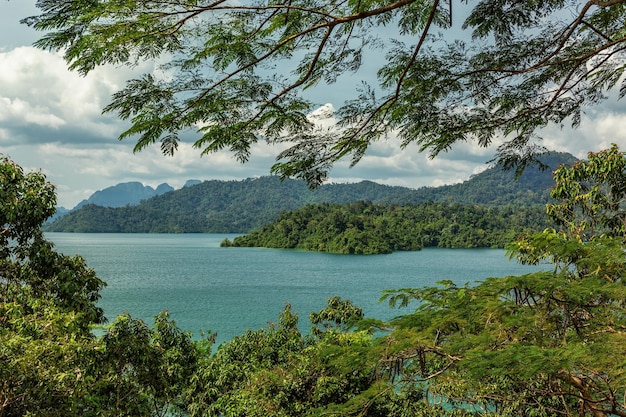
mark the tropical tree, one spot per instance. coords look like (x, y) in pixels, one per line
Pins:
(280, 371)
(519, 66)
(137, 370)
(47, 303)
(548, 343)
(591, 195)
(51, 363)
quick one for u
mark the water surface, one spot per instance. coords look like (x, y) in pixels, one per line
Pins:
(228, 290)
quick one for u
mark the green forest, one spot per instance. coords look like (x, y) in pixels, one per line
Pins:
(367, 228)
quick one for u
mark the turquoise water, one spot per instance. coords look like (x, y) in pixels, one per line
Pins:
(228, 290)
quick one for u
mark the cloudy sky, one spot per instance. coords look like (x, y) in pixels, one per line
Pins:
(50, 120)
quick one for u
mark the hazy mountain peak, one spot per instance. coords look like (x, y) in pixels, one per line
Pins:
(163, 188)
(189, 183)
(124, 194)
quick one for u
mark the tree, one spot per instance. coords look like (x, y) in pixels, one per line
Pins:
(543, 343)
(27, 259)
(279, 371)
(366, 228)
(592, 195)
(141, 371)
(528, 64)
(47, 303)
(51, 362)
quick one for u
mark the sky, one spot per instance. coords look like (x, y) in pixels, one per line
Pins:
(51, 120)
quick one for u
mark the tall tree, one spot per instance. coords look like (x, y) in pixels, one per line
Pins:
(47, 303)
(521, 66)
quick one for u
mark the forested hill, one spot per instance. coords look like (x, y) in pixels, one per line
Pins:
(241, 206)
(218, 206)
(367, 228)
(497, 187)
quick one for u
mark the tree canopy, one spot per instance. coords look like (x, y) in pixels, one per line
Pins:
(520, 66)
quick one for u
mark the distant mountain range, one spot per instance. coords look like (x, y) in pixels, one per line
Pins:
(241, 206)
(124, 194)
(121, 195)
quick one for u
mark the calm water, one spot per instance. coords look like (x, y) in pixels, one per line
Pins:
(229, 290)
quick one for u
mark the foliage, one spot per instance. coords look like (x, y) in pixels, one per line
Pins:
(242, 206)
(47, 302)
(339, 315)
(543, 343)
(547, 343)
(140, 371)
(41, 351)
(592, 195)
(279, 371)
(516, 67)
(51, 362)
(365, 228)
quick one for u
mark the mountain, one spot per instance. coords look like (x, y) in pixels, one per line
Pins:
(124, 194)
(60, 212)
(241, 206)
(496, 186)
(217, 206)
(163, 188)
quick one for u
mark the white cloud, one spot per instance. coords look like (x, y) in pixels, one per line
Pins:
(19, 110)
(598, 130)
(39, 94)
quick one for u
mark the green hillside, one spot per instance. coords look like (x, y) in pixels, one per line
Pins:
(217, 207)
(241, 206)
(497, 187)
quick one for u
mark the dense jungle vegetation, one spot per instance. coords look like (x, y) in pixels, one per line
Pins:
(366, 228)
(547, 344)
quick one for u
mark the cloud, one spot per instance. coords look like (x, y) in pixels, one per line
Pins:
(50, 119)
(598, 130)
(41, 101)
(386, 162)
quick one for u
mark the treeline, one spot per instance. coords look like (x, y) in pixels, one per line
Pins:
(217, 207)
(242, 206)
(367, 228)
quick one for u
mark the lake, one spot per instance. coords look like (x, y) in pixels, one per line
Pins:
(228, 290)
